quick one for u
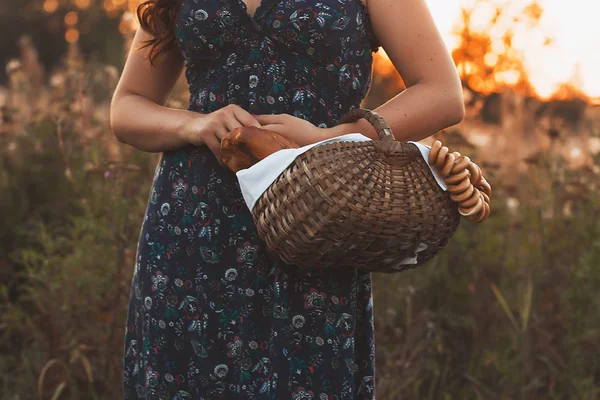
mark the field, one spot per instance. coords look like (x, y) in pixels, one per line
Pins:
(509, 310)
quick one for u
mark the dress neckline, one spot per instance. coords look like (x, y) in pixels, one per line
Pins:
(260, 11)
(266, 5)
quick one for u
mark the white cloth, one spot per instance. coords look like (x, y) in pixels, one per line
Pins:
(254, 181)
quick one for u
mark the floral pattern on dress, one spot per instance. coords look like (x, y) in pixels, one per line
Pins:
(212, 314)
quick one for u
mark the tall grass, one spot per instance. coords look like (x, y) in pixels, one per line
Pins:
(508, 311)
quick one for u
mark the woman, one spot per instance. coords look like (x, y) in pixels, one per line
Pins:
(212, 314)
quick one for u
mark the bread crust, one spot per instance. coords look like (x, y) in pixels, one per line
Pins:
(245, 146)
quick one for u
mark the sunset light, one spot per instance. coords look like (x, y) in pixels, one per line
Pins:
(572, 26)
(146, 186)
(560, 48)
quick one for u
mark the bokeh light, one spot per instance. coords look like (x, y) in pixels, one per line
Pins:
(546, 37)
(83, 4)
(50, 6)
(71, 18)
(128, 23)
(72, 35)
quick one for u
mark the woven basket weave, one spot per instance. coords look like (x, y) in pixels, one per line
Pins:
(373, 205)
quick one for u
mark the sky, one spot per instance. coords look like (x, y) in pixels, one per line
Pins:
(574, 25)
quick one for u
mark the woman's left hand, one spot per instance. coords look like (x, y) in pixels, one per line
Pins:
(297, 129)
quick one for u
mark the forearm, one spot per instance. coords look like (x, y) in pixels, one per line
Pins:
(416, 113)
(147, 126)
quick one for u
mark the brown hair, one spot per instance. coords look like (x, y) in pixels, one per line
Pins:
(157, 17)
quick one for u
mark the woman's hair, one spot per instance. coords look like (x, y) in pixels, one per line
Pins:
(157, 17)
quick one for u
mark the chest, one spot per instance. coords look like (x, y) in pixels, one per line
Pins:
(252, 6)
(320, 30)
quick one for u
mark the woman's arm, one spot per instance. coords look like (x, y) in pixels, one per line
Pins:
(138, 115)
(433, 99)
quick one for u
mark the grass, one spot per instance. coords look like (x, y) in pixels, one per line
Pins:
(509, 310)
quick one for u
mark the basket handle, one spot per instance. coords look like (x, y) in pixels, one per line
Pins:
(381, 126)
(468, 188)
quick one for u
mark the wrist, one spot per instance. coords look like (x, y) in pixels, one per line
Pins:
(187, 130)
(361, 126)
(338, 130)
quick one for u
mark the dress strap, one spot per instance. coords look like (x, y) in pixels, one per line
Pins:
(374, 43)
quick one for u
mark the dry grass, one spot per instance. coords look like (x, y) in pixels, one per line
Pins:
(508, 311)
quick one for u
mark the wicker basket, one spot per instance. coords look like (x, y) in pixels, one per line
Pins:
(372, 205)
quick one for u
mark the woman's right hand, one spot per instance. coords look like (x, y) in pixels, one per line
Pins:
(209, 129)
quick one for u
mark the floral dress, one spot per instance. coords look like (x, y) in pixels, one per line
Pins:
(212, 314)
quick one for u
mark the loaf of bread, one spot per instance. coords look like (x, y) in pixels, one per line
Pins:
(245, 146)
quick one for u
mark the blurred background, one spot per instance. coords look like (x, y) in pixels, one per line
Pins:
(510, 310)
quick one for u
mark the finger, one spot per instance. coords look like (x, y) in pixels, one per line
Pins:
(213, 144)
(224, 129)
(215, 147)
(266, 119)
(277, 128)
(231, 123)
(245, 118)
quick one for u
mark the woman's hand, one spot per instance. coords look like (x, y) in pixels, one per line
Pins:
(296, 129)
(209, 129)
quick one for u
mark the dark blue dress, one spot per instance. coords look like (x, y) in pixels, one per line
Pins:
(212, 314)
